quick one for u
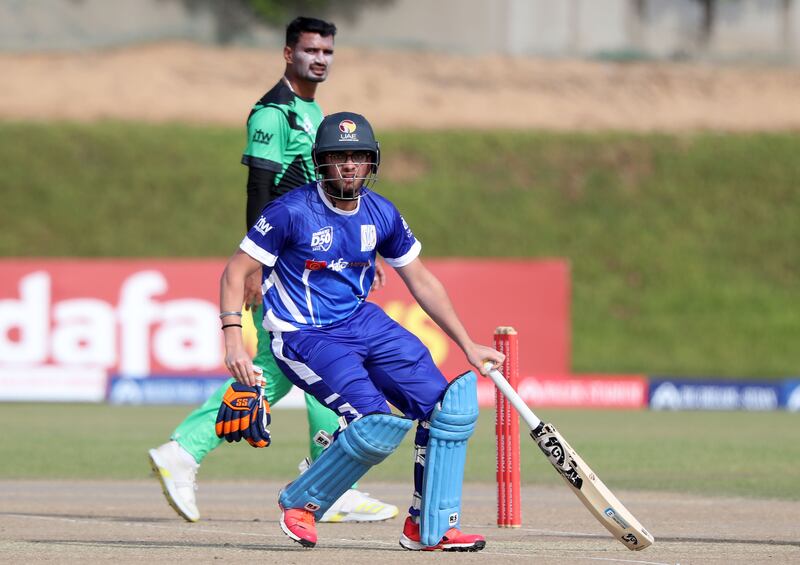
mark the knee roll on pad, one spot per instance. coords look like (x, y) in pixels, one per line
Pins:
(451, 425)
(363, 444)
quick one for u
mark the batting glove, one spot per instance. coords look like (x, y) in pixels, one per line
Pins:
(257, 434)
(244, 414)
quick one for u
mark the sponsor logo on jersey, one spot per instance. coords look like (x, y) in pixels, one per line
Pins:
(321, 240)
(260, 136)
(262, 226)
(313, 265)
(308, 126)
(340, 264)
(405, 227)
(369, 237)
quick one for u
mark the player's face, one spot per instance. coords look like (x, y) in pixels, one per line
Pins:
(346, 171)
(311, 58)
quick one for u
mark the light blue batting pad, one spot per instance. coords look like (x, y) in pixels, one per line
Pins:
(364, 443)
(451, 425)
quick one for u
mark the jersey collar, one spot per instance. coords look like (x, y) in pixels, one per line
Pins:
(324, 197)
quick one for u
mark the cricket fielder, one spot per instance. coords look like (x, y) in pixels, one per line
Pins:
(316, 247)
(280, 132)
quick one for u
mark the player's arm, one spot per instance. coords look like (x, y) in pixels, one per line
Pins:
(263, 155)
(231, 297)
(259, 193)
(267, 137)
(380, 276)
(431, 295)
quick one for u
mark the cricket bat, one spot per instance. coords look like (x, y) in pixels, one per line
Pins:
(580, 478)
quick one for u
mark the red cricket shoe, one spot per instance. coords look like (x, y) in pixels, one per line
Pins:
(299, 524)
(453, 540)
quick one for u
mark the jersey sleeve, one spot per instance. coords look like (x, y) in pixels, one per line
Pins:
(399, 247)
(267, 136)
(268, 236)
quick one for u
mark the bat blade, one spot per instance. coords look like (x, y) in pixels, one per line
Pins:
(580, 478)
(592, 492)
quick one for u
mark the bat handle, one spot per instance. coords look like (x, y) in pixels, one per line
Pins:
(516, 401)
(261, 381)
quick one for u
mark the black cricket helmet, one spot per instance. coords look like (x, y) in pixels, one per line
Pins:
(340, 132)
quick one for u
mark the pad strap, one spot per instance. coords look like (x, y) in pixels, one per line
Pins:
(451, 425)
(364, 443)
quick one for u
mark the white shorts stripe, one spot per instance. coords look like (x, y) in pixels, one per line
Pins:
(347, 408)
(303, 371)
(272, 323)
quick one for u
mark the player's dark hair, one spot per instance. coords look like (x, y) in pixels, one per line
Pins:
(307, 25)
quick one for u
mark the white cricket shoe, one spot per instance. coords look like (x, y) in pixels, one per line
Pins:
(176, 469)
(357, 506)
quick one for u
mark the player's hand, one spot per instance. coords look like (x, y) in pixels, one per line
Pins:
(244, 413)
(380, 276)
(240, 365)
(252, 291)
(480, 355)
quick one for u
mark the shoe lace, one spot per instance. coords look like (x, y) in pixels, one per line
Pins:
(361, 496)
(307, 517)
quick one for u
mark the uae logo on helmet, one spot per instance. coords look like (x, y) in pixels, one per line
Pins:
(347, 126)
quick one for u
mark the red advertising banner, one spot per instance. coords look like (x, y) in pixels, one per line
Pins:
(160, 316)
(585, 391)
(531, 296)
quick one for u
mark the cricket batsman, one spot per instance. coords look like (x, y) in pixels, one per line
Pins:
(316, 248)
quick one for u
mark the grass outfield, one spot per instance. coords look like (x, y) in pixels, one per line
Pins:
(713, 453)
(683, 249)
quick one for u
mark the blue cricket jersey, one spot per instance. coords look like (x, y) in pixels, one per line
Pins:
(320, 260)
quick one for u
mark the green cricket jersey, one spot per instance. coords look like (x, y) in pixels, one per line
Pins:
(280, 133)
